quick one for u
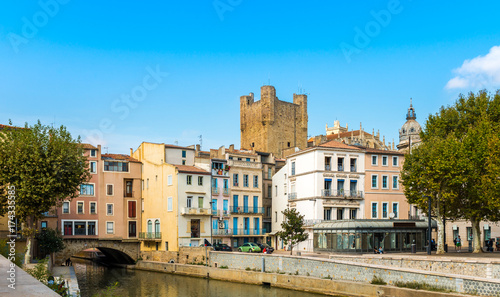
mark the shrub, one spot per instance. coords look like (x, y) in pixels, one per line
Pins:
(376, 280)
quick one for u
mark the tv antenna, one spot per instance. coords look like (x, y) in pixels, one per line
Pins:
(201, 140)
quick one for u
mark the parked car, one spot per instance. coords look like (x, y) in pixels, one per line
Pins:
(222, 247)
(249, 247)
(269, 249)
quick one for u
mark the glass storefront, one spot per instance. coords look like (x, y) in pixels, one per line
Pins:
(364, 236)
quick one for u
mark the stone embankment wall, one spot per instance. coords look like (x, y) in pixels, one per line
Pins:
(477, 268)
(351, 271)
(294, 282)
(185, 255)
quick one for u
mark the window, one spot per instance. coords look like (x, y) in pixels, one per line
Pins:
(147, 183)
(374, 181)
(328, 163)
(395, 161)
(188, 179)
(226, 184)
(65, 207)
(269, 191)
(245, 180)
(87, 189)
(109, 190)
(269, 173)
(170, 206)
(110, 227)
(92, 153)
(132, 211)
(374, 210)
(80, 228)
(385, 184)
(395, 184)
(374, 160)
(169, 179)
(79, 207)
(189, 201)
(395, 209)
(128, 188)
(200, 202)
(93, 167)
(288, 144)
(93, 208)
(385, 205)
(183, 162)
(470, 235)
(109, 209)
(248, 159)
(200, 180)
(184, 154)
(91, 228)
(384, 160)
(115, 166)
(293, 168)
(235, 179)
(142, 184)
(340, 162)
(255, 181)
(132, 229)
(43, 225)
(68, 228)
(327, 214)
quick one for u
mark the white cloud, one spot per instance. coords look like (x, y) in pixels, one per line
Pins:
(479, 72)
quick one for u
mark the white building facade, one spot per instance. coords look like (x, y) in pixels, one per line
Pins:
(323, 183)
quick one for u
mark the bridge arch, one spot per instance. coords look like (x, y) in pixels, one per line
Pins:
(116, 250)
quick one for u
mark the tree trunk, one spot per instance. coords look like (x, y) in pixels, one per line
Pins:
(291, 248)
(476, 236)
(30, 238)
(440, 227)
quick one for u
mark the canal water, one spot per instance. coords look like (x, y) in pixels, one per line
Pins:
(93, 279)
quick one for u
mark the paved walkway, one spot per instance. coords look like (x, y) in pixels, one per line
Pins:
(25, 284)
(67, 273)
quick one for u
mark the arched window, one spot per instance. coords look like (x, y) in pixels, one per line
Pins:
(157, 226)
(150, 226)
(412, 130)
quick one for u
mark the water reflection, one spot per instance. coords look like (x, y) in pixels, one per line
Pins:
(93, 279)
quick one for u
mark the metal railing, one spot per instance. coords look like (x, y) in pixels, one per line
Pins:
(220, 172)
(225, 191)
(328, 167)
(249, 231)
(215, 191)
(353, 168)
(222, 232)
(195, 211)
(312, 222)
(292, 196)
(247, 209)
(340, 168)
(342, 194)
(149, 235)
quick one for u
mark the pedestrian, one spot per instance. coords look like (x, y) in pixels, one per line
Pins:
(459, 243)
(380, 250)
(264, 251)
(455, 243)
(490, 245)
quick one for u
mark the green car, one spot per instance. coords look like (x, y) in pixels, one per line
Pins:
(249, 247)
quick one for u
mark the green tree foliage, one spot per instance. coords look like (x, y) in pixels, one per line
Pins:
(50, 241)
(45, 165)
(458, 162)
(293, 228)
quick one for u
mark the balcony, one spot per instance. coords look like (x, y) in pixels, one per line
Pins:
(220, 213)
(292, 196)
(154, 236)
(248, 232)
(247, 209)
(195, 211)
(353, 168)
(215, 191)
(312, 222)
(222, 232)
(340, 168)
(342, 194)
(245, 164)
(220, 172)
(225, 191)
(328, 167)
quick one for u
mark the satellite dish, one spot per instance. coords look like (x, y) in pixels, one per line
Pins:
(392, 215)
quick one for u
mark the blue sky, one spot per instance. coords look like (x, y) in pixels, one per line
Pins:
(88, 65)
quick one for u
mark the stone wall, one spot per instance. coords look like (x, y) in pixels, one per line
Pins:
(358, 272)
(294, 282)
(74, 246)
(185, 255)
(485, 269)
(270, 124)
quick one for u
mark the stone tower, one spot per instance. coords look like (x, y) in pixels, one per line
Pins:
(409, 134)
(271, 125)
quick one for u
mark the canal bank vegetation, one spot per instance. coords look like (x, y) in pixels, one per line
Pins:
(41, 272)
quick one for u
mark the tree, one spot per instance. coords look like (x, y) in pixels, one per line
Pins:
(458, 163)
(50, 241)
(45, 166)
(293, 228)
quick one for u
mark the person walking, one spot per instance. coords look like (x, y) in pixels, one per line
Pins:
(459, 243)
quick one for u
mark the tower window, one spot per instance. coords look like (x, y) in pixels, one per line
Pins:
(253, 144)
(288, 144)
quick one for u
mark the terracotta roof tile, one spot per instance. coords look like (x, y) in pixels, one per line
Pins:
(337, 144)
(88, 146)
(191, 169)
(119, 157)
(342, 135)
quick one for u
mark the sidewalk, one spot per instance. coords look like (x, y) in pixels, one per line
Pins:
(68, 273)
